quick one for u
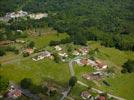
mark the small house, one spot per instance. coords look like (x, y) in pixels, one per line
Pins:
(19, 41)
(14, 93)
(85, 95)
(83, 50)
(84, 62)
(58, 48)
(38, 16)
(101, 65)
(42, 55)
(75, 53)
(29, 50)
(92, 76)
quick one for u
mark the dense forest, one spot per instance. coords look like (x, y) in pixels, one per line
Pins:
(108, 21)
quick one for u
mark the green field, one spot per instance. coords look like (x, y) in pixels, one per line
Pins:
(121, 85)
(38, 71)
(43, 41)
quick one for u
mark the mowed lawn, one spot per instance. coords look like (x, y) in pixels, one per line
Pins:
(38, 71)
(121, 85)
(43, 41)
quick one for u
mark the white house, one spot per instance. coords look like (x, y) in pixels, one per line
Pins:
(42, 55)
(16, 14)
(38, 15)
(63, 54)
(58, 48)
(76, 53)
(85, 95)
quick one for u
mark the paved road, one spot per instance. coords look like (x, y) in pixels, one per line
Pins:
(65, 93)
(71, 68)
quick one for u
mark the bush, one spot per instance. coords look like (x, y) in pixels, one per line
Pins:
(44, 90)
(56, 58)
(2, 52)
(4, 83)
(35, 89)
(31, 44)
(72, 81)
(25, 54)
(128, 66)
(16, 51)
(54, 43)
(124, 70)
(26, 83)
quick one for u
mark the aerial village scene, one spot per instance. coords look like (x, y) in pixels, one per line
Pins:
(41, 63)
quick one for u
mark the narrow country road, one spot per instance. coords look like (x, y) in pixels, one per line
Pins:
(65, 93)
(71, 68)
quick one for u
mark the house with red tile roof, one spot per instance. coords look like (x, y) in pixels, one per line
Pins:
(14, 93)
(101, 65)
(29, 50)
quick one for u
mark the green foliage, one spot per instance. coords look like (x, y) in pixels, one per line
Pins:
(112, 18)
(25, 54)
(4, 83)
(44, 90)
(56, 58)
(9, 6)
(31, 44)
(72, 81)
(52, 92)
(36, 89)
(62, 41)
(75, 18)
(2, 52)
(11, 35)
(128, 66)
(25, 23)
(26, 83)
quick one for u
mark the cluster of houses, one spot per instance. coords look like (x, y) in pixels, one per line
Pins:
(63, 55)
(22, 13)
(16, 14)
(81, 51)
(94, 63)
(93, 76)
(87, 95)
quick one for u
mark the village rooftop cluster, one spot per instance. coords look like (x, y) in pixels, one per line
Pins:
(21, 13)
